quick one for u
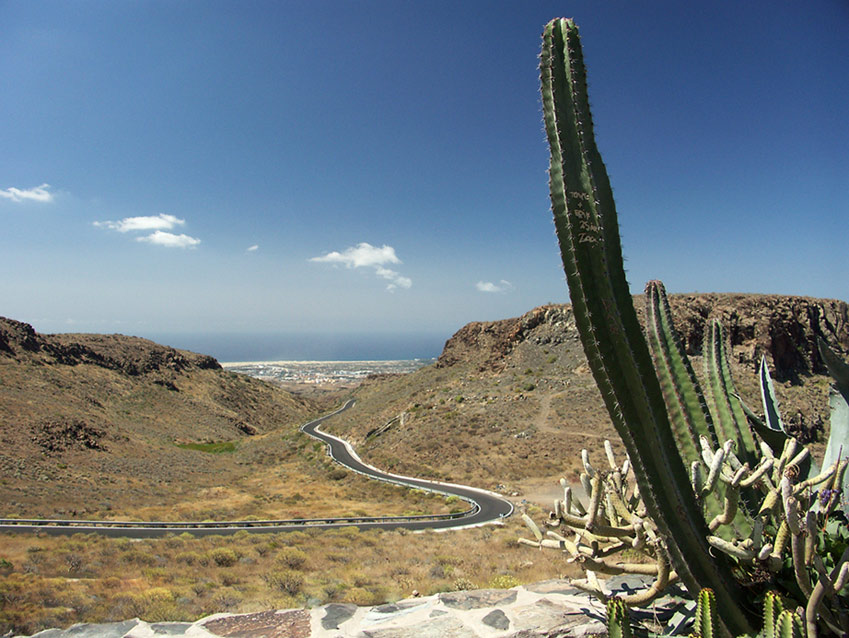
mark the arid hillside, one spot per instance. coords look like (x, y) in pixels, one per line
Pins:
(115, 427)
(510, 404)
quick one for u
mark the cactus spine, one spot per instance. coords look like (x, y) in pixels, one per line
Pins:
(588, 233)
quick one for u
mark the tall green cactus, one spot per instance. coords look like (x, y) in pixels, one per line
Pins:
(587, 229)
(685, 402)
(729, 416)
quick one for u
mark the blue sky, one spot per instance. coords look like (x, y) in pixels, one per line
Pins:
(351, 167)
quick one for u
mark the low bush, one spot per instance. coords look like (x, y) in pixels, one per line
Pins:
(224, 557)
(291, 557)
(288, 581)
(504, 581)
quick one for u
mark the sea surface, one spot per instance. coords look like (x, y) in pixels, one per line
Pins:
(351, 347)
(323, 371)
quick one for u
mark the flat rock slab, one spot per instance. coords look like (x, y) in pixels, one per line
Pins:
(551, 609)
(478, 598)
(335, 614)
(294, 623)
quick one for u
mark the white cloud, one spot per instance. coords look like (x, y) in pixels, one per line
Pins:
(37, 194)
(253, 248)
(157, 222)
(170, 240)
(364, 255)
(488, 286)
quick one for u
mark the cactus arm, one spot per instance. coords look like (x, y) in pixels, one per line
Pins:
(685, 402)
(618, 625)
(588, 233)
(772, 608)
(789, 625)
(706, 620)
(731, 421)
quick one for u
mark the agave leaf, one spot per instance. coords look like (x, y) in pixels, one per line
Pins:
(771, 429)
(837, 368)
(770, 401)
(838, 436)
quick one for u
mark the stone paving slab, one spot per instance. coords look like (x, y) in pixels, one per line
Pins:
(551, 609)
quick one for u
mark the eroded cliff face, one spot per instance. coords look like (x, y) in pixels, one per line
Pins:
(783, 328)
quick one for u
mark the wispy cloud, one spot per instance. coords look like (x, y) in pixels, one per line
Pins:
(151, 222)
(488, 286)
(159, 224)
(170, 240)
(253, 248)
(364, 255)
(37, 194)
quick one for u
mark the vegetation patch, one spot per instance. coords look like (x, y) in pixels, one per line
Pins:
(219, 447)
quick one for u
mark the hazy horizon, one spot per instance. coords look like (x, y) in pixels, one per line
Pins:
(301, 347)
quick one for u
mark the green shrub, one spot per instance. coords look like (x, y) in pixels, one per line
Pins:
(504, 581)
(288, 581)
(189, 558)
(224, 557)
(221, 447)
(291, 557)
(463, 584)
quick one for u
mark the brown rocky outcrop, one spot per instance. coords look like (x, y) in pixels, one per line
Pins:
(783, 328)
(487, 343)
(131, 355)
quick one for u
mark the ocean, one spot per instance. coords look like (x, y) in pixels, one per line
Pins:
(241, 347)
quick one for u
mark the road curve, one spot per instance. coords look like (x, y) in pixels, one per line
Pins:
(485, 507)
(490, 506)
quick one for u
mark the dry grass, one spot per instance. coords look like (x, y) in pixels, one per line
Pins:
(58, 581)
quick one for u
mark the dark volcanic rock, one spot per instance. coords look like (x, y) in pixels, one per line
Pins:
(16, 335)
(131, 355)
(781, 327)
(58, 435)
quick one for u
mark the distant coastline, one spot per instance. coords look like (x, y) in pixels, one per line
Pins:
(324, 372)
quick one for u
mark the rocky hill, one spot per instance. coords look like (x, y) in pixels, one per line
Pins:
(108, 425)
(512, 402)
(782, 328)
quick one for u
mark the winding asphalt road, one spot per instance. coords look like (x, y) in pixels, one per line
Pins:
(485, 507)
